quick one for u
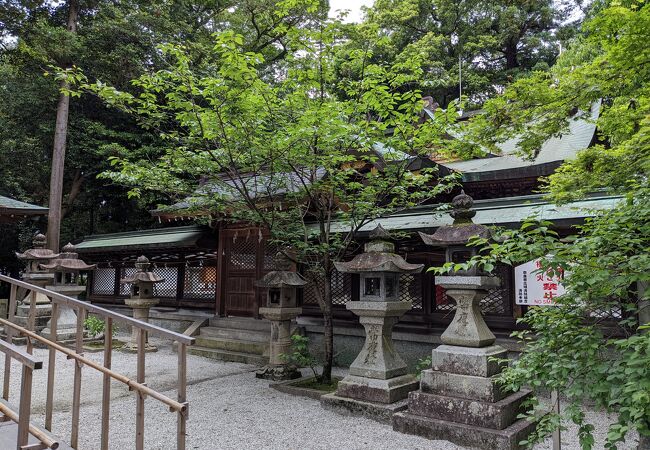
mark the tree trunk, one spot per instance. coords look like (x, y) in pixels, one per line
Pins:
(511, 55)
(328, 329)
(58, 152)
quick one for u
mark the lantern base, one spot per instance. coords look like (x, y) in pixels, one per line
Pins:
(130, 347)
(374, 390)
(278, 373)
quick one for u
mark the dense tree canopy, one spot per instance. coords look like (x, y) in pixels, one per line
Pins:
(493, 42)
(114, 42)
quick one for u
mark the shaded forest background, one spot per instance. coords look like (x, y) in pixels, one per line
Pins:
(495, 42)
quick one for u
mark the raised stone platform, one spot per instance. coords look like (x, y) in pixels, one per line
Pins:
(462, 434)
(496, 415)
(459, 401)
(381, 412)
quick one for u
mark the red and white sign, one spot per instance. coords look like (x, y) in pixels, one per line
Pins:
(535, 287)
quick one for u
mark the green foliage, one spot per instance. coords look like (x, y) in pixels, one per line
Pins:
(496, 41)
(96, 327)
(286, 154)
(422, 364)
(300, 355)
(607, 67)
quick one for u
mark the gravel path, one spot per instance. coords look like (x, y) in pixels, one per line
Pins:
(229, 409)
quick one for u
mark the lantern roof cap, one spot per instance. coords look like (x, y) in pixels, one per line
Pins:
(38, 251)
(281, 278)
(67, 261)
(142, 273)
(462, 229)
(378, 262)
(379, 256)
(380, 233)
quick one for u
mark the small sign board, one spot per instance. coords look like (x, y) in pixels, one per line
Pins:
(536, 288)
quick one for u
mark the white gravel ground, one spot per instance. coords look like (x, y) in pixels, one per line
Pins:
(229, 409)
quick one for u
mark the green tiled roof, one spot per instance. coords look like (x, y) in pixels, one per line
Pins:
(504, 211)
(12, 206)
(175, 237)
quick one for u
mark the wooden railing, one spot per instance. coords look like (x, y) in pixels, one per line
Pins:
(178, 406)
(25, 429)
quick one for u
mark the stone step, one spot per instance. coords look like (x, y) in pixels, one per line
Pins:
(40, 321)
(225, 355)
(240, 323)
(234, 345)
(232, 333)
(462, 434)
(40, 310)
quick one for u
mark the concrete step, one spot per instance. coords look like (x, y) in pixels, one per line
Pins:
(225, 355)
(240, 323)
(41, 321)
(234, 345)
(40, 310)
(232, 333)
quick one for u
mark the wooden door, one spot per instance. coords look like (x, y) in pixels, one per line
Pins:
(245, 261)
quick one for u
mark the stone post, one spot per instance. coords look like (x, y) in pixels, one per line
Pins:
(280, 344)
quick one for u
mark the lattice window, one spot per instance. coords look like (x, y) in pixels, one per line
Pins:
(125, 287)
(410, 289)
(496, 302)
(104, 281)
(609, 313)
(168, 287)
(243, 254)
(341, 289)
(444, 303)
(269, 257)
(309, 294)
(200, 282)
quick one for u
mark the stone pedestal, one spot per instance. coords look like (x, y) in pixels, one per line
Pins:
(277, 368)
(140, 312)
(66, 323)
(43, 306)
(377, 384)
(458, 399)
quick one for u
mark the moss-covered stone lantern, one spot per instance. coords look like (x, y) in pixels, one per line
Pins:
(378, 377)
(459, 399)
(281, 308)
(141, 299)
(34, 274)
(466, 287)
(66, 269)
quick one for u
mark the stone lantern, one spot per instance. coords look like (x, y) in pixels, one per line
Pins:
(66, 269)
(281, 308)
(37, 276)
(378, 382)
(459, 400)
(141, 299)
(466, 287)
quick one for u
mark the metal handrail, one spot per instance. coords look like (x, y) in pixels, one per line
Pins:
(178, 406)
(117, 317)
